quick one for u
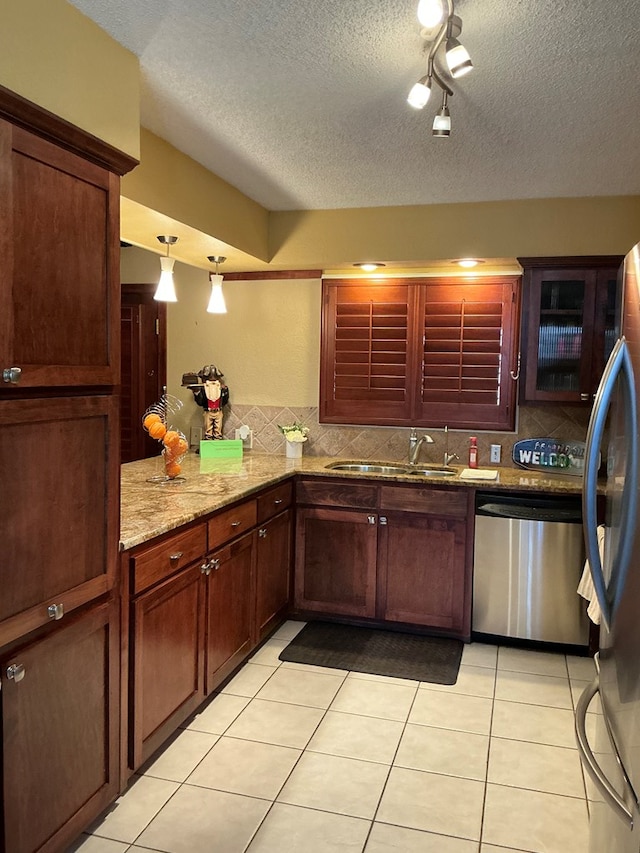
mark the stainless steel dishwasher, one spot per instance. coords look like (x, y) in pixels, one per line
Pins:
(528, 559)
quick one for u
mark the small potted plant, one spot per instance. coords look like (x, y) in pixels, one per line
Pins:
(295, 434)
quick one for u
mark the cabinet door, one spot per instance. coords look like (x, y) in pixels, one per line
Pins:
(561, 325)
(60, 732)
(59, 481)
(167, 660)
(60, 272)
(273, 573)
(422, 571)
(229, 608)
(604, 327)
(336, 561)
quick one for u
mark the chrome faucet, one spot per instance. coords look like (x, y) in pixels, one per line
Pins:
(415, 444)
(448, 457)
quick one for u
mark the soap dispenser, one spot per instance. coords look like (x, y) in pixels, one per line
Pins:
(473, 452)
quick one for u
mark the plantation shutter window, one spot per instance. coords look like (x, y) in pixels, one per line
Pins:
(420, 352)
(467, 353)
(365, 366)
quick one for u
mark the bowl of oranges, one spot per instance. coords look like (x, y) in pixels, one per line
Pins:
(174, 443)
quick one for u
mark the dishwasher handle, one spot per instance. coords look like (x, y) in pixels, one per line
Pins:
(559, 514)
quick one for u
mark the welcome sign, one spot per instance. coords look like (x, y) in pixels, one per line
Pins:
(550, 454)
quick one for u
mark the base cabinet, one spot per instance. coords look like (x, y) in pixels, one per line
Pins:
(60, 731)
(421, 571)
(336, 561)
(168, 669)
(229, 608)
(404, 560)
(273, 573)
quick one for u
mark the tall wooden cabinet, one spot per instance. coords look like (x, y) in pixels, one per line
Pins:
(59, 476)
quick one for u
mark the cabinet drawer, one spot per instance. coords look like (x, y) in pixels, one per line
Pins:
(158, 562)
(427, 500)
(332, 493)
(274, 501)
(231, 523)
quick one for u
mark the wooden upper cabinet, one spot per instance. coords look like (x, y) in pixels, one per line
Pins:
(570, 326)
(420, 352)
(60, 273)
(365, 372)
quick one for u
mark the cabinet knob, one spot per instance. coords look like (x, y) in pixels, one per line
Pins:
(215, 564)
(383, 519)
(262, 533)
(278, 502)
(235, 524)
(205, 568)
(584, 398)
(173, 558)
(12, 375)
(371, 519)
(55, 611)
(16, 672)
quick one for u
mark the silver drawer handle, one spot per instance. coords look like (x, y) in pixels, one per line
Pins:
(215, 564)
(16, 672)
(278, 502)
(205, 568)
(55, 611)
(175, 557)
(12, 375)
(235, 524)
(262, 533)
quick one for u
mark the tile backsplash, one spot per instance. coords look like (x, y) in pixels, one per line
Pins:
(391, 443)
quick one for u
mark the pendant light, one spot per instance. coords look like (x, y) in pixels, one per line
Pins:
(430, 13)
(216, 304)
(165, 291)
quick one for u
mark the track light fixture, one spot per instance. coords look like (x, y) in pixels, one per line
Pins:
(165, 291)
(446, 57)
(216, 305)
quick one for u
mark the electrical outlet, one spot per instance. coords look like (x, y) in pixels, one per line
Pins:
(195, 436)
(496, 450)
(246, 436)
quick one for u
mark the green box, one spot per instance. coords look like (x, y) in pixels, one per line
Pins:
(221, 448)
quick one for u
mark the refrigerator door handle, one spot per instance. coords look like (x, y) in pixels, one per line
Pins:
(604, 786)
(619, 364)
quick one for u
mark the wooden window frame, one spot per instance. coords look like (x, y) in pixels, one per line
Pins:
(405, 404)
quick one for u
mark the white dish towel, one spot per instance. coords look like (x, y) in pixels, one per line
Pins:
(586, 588)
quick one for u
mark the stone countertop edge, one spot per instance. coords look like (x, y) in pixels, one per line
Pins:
(150, 509)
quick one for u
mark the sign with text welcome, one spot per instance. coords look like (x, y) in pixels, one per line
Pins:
(551, 454)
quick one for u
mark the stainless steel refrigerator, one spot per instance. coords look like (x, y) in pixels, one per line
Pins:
(609, 742)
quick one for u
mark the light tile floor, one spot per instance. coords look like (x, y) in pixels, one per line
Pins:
(295, 758)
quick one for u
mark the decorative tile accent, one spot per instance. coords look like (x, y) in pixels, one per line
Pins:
(388, 443)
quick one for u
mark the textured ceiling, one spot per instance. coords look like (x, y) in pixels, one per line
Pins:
(303, 105)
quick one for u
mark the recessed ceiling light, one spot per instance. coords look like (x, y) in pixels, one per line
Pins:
(369, 266)
(467, 263)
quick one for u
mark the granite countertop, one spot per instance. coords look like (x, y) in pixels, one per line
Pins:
(151, 509)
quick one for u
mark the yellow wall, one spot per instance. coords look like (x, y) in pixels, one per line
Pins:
(53, 55)
(267, 345)
(581, 226)
(174, 185)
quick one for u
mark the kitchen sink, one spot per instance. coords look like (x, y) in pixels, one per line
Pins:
(364, 468)
(373, 468)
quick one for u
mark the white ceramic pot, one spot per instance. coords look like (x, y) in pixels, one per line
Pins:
(294, 449)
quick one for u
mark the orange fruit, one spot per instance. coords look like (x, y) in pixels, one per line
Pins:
(182, 446)
(170, 454)
(151, 419)
(172, 469)
(157, 430)
(171, 438)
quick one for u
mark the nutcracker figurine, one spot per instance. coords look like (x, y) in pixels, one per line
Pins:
(210, 392)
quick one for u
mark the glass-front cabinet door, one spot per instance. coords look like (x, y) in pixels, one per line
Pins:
(570, 331)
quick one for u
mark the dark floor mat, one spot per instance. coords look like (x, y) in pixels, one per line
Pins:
(420, 658)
